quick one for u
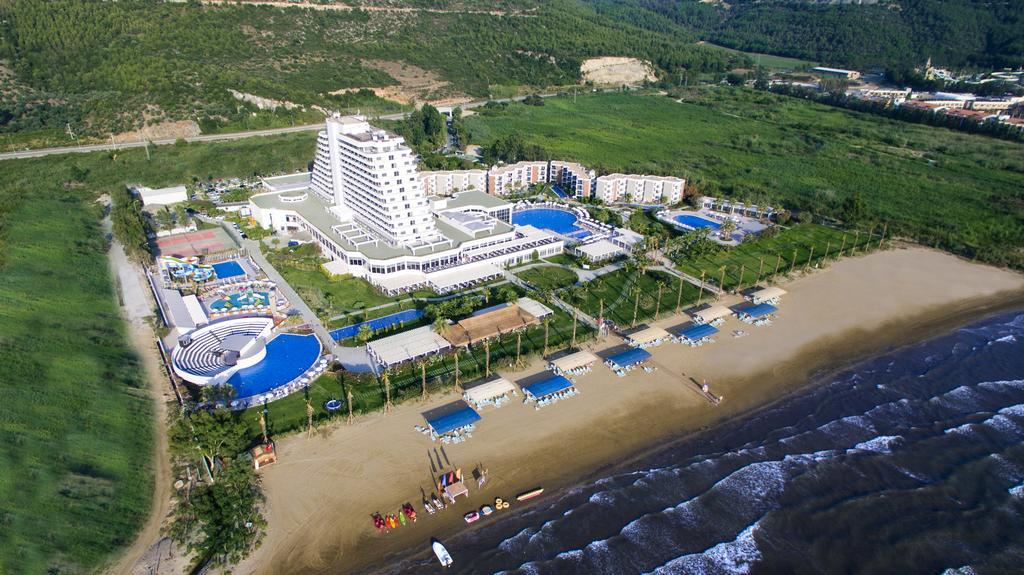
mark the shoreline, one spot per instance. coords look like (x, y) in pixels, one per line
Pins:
(935, 326)
(322, 526)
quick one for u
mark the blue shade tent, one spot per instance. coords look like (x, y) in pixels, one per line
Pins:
(548, 386)
(698, 332)
(454, 420)
(760, 310)
(630, 357)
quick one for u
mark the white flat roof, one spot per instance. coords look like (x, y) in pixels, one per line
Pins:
(574, 360)
(454, 277)
(768, 293)
(534, 307)
(399, 281)
(712, 313)
(488, 390)
(648, 335)
(600, 249)
(175, 310)
(195, 310)
(407, 346)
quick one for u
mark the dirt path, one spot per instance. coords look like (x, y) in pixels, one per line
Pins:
(137, 306)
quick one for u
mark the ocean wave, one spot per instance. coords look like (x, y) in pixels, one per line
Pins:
(733, 557)
(880, 444)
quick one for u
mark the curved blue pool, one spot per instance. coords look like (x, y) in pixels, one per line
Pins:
(376, 323)
(558, 221)
(237, 300)
(288, 356)
(696, 222)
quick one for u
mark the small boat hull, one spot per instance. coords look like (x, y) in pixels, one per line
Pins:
(529, 494)
(442, 554)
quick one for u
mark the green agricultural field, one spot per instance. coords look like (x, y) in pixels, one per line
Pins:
(622, 290)
(795, 248)
(769, 61)
(959, 191)
(76, 431)
(548, 277)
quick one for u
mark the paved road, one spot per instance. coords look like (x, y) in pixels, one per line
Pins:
(206, 138)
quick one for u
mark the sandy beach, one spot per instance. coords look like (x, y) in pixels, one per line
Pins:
(322, 491)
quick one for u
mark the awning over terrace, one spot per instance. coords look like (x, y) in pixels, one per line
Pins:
(534, 307)
(548, 386)
(407, 346)
(767, 294)
(759, 310)
(698, 332)
(454, 420)
(488, 391)
(462, 276)
(647, 336)
(600, 250)
(711, 314)
(574, 361)
(485, 326)
(628, 358)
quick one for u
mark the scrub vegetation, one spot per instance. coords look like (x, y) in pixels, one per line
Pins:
(960, 192)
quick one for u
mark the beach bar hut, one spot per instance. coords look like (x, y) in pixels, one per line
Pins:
(549, 390)
(758, 314)
(494, 392)
(453, 421)
(648, 337)
(770, 295)
(696, 335)
(627, 359)
(713, 315)
(573, 364)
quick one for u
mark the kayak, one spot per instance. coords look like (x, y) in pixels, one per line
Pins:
(529, 494)
(442, 554)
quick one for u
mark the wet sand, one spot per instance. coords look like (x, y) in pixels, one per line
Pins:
(321, 493)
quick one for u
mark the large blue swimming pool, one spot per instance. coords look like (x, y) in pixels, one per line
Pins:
(288, 355)
(228, 269)
(696, 222)
(377, 323)
(558, 221)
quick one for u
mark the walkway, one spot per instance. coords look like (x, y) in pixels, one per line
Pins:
(554, 299)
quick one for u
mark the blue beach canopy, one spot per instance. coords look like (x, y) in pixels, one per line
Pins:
(697, 332)
(760, 310)
(454, 420)
(630, 357)
(548, 386)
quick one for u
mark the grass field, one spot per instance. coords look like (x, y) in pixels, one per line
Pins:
(548, 277)
(769, 61)
(794, 248)
(959, 191)
(618, 291)
(76, 429)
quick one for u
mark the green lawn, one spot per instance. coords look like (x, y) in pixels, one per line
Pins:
(797, 247)
(618, 292)
(769, 61)
(548, 277)
(76, 429)
(959, 191)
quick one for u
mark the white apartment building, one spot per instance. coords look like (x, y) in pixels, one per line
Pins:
(502, 180)
(574, 179)
(629, 188)
(367, 210)
(444, 183)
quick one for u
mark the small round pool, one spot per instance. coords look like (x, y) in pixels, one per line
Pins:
(695, 222)
(558, 221)
(288, 356)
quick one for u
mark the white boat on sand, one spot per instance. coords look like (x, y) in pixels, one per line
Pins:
(442, 554)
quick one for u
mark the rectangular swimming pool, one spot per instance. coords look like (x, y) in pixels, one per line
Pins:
(228, 269)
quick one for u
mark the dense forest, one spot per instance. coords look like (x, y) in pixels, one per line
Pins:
(886, 34)
(108, 66)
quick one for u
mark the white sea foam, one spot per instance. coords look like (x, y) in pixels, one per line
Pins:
(880, 444)
(1017, 490)
(730, 557)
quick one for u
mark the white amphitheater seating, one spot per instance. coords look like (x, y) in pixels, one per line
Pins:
(202, 357)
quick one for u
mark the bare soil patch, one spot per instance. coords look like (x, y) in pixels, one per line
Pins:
(617, 70)
(415, 85)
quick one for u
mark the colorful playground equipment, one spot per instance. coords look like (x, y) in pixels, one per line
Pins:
(187, 269)
(240, 300)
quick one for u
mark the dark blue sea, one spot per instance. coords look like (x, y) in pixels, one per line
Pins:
(911, 462)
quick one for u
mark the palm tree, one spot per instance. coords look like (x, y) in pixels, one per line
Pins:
(487, 358)
(547, 323)
(726, 228)
(657, 306)
(575, 319)
(458, 385)
(386, 377)
(348, 392)
(423, 362)
(519, 345)
(636, 301)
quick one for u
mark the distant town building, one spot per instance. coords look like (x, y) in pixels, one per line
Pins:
(836, 72)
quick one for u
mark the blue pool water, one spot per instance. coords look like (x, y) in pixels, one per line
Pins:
(239, 299)
(228, 269)
(558, 191)
(558, 221)
(696, 222)
(377, 323)
(288, 356)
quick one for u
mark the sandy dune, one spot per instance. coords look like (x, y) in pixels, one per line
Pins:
(321, 493)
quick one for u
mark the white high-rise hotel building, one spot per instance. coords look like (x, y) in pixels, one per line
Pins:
(364, 204)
